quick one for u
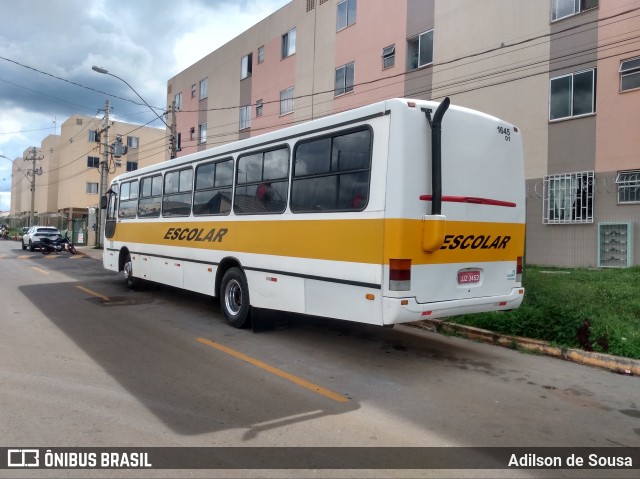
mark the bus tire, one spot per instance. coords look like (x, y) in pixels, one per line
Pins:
(234, 298)
(127, 269)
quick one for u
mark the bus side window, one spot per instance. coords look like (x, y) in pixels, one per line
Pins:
(262, 182)
(178, 185)
(150, 197)
(128, 199)
(332, 173)
(213, 188)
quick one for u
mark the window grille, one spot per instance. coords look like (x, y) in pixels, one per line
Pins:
(628, 186)
(615, 245)
(568, 198)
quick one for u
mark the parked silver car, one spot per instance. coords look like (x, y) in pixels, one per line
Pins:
(31, 239)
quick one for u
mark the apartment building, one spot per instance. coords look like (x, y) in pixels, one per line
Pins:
(566, 72)
(67, 171)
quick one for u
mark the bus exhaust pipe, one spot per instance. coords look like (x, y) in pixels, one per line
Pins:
(436, 156)
(433, 225)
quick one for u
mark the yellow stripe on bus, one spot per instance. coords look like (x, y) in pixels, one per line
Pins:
(371, 241)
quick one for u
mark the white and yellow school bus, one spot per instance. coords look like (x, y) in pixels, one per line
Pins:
(390, 213)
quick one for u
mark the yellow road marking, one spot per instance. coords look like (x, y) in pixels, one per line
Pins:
(93, 293)
(39, 270)
(273, 370)
(24, 256)
(50, 256)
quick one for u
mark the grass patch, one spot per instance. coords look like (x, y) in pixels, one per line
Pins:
(596, 310)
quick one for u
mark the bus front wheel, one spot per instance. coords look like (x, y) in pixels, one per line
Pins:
(234, 298)
(127, 270)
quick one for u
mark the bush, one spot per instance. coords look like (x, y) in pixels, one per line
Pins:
(596, 310)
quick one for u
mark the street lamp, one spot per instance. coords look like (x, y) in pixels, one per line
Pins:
(106, 72)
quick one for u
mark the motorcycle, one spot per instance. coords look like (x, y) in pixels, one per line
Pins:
(47, 245)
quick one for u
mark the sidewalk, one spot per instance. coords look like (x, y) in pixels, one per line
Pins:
(629, 367)
(90, 251)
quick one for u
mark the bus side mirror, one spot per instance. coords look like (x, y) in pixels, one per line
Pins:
(103, 203)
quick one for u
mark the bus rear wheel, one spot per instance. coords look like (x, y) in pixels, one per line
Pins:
(234, 298)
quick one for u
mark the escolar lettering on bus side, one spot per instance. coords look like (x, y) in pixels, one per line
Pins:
(196, 234)
(475, 242)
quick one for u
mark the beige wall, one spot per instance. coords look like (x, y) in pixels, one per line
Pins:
(618, 117)
(506, 82)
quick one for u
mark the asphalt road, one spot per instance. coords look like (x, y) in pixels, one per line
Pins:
(85, 362)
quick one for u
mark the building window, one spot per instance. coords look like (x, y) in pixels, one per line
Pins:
(388, 57)
(259, 108)
(133, 141)
(193, 90)
(344, 79)
(178, 100)
(132, 165)
(628, 186)
(630, 74)
(289, 43)
(202, 133)
(568, 198)
(566, 8)
(245, 66)
(420, 50)
(192, 133)
(93, 162)
(204, 87)
(346, 14)
(261, 54)
(572, 95)
(92, 188)
(94, 136)
(245, 117)
(286, 101)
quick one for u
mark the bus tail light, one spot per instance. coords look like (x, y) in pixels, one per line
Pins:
(519, 269)
(400, 274)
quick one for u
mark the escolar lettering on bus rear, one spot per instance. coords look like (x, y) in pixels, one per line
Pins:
(475, 242)
(212, 235)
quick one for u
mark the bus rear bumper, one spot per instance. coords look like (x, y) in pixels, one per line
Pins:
(407, 310)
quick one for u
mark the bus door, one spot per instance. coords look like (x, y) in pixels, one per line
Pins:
(112, 213)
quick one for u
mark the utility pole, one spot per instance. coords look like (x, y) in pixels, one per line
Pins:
(174, 135)
(33, 172)
(104, 170)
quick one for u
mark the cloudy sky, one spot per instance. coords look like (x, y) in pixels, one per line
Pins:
(47, 49)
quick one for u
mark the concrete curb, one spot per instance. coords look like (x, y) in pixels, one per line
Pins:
(626, 366)
(90, 252)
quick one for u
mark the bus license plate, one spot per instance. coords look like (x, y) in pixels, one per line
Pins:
(466, 277)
